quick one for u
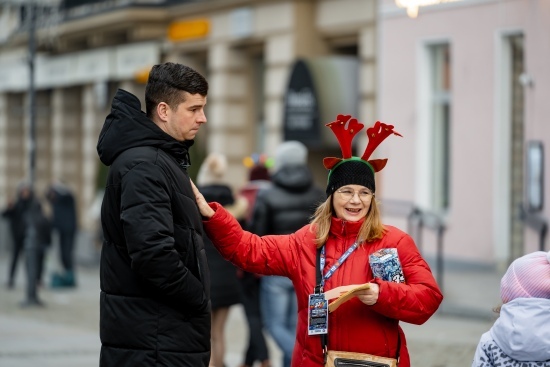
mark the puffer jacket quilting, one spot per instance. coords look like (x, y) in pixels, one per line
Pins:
(366, 329)
(154, 302)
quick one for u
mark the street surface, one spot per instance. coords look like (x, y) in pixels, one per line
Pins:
(65, 332)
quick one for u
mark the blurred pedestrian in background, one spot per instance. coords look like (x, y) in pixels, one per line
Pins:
(154, 277)
(15, 213)
(64, 222)
(224, 289)
(258, 178)
(521, 334)
(25, 211)
(256, 349)
(281, 208)
(43, 224)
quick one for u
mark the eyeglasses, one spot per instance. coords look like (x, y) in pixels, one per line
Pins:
(349, 193)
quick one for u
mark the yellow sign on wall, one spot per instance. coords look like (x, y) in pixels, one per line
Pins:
(141, 76)
(188, 29)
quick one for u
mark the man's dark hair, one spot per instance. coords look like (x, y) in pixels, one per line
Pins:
(167, 80)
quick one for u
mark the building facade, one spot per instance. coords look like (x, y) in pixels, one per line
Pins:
(466, 82)
(246, 49)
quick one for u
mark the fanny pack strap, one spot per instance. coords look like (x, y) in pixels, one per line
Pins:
(324, 337)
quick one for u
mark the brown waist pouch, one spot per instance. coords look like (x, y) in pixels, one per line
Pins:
(351, 359)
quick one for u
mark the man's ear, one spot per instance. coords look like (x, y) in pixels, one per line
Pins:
(163, 111)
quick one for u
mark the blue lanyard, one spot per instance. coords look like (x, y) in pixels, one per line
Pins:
(336, 265)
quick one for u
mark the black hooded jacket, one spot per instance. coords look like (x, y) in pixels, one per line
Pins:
(155, 301)
(288, 203)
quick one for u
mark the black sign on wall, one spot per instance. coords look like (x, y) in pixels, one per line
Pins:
(301, 110)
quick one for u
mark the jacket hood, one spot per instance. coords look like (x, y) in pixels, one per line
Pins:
(128, 127)
(294, 178)
(520, 330)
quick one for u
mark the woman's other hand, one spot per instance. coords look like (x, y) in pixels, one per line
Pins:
(205, 209)
(369, 296)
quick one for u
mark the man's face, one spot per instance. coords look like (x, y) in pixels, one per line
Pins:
(183, 122)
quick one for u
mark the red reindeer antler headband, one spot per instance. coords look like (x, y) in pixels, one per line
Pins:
(345, 128)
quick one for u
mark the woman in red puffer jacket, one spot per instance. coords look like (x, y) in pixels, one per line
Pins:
(348, 222)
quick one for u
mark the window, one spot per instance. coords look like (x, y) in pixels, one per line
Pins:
(440, 115)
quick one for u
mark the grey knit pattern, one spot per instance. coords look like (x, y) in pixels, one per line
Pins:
(493, 356)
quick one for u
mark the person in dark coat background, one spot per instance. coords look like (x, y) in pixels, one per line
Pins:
(224, 290)
(43, 237)
(256, 349)
(64, 221)
(154, 278)
(282, 208)
(15, 214)
(27, 207)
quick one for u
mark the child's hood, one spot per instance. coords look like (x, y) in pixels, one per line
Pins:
(522, 330)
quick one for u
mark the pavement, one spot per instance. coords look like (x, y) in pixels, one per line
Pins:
(64, 332)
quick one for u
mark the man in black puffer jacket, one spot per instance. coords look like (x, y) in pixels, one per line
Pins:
(154, 301)
(282, 208)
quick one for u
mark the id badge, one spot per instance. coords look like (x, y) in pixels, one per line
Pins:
(318, 315)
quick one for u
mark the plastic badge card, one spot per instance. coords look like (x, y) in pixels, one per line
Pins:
(385, 265)
(318, 314)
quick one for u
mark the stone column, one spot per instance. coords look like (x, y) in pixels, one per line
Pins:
(14, 147)
(43, 142)
(66, 131)
(12, 154)
(298, 38)
(3, 149)
(92, 121)
(57, 132)
(229, 108)
(368, 82)
(279, 56)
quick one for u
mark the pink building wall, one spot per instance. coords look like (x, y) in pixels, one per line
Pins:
(474, 30)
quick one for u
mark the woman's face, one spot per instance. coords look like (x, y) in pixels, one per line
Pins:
(352, 202)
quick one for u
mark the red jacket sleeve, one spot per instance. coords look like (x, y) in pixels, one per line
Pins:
(416, 300)
(269, 255)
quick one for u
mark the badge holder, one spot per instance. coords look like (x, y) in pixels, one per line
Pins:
(317, 313)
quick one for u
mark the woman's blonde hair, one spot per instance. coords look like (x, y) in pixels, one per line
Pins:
(371, 229)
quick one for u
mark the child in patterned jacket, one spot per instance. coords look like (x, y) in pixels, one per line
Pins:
(521, 335)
